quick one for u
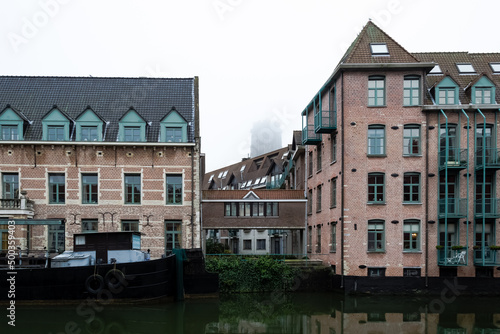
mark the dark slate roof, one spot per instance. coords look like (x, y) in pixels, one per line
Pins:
(109, 98)
(448, 61)
(269, 194)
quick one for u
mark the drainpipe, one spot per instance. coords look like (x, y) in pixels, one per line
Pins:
(306, 192)
(447, 147)
(192, 197)
(427, 200)
(468, 182)
(342, 168)
(483, 188)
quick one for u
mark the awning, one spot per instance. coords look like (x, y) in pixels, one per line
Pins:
(4, 221)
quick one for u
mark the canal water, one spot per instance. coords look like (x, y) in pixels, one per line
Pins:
(318, 313)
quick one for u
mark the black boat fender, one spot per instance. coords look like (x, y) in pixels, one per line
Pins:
(114, 279)
(94, 284)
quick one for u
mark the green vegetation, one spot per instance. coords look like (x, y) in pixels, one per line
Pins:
(251, 274)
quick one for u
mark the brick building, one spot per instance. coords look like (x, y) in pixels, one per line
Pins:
(401, 162)
(84, 154)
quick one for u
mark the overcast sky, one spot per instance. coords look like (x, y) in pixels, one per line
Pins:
(256, 59)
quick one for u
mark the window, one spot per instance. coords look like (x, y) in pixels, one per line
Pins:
(376, 272)
(10, 186)
(247, 244)
(318, 199)
(174, 189)
(261, 244)
(334, 148)
(411, 272)
(447, 232)
(466, 68)
(436, 70)
(483, 95)
(231, 209)
(130, 225)
(447, 95)
(411, 93)
(132, 133)
(411, 188)
(376, 91)
(318, 238)
(90, 225)
(411, 140)
(376, 236)
(174, 135)
(132, 189)
(495, 67)
(376, 185)
(57, 188)
(173, 234)
(310, 163)
(89, 189)
(309, 201)
(4, 240)
(333, 237)
(9, 132)
(272, 209)
(55, 133)
(318, 158)
(309, 239)
(411, 236)
(333, 193)
(56, 238)
(89, 133)
(376, 140)
(379, 49)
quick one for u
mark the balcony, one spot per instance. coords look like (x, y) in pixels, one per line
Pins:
(452, 208)
(491, 158)
(452, 258)
(309, 137)
(457, 158)
(491, 208)
(16, 207)
(325, 121)
(486, 257)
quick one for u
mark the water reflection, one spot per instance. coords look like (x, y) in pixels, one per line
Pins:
(268, 313)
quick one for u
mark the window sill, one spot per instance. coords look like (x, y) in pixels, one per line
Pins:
(412, 203)
(376, 252)
(333, 162)
(412, 252)
(333, 207)
(412, 155)
(381, 106)
(376, 155)
(318, 171)
(318, 211)
(376, 203)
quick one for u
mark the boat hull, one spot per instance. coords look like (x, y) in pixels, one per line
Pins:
(135, 280)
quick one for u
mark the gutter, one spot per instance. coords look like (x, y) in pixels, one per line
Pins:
(95, 143)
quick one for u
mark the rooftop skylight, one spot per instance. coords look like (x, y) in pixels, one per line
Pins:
(436, 70)
(466, 68)
(379, 49)
(495, 67)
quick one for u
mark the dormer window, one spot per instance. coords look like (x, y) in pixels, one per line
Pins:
(466, 68)
(89, 126)
(11, 124)
(9, 132)
(483, 91)
(132, 127)
(436, 70)
(173, 128)
(56, 126)
(379, 49)
(495, 67)
(447, 92)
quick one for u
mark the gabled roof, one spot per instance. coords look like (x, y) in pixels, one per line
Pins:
(262, 194)
(360, 53)
(109, 97)
(17, 112)
(95, 113)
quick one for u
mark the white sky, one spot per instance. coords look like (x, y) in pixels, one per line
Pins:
(255, 59)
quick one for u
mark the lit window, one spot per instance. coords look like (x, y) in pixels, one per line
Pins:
(379, 49)
(466, 69)
(411, 235)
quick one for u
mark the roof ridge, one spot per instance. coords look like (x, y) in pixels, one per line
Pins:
(91, 77)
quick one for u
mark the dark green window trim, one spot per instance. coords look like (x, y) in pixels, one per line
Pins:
(376, 140)
(10, 185)
(376, 188)
(376, 235)
(483, 95)
(376, 91)
(411, 235)
(173, 234)
(447, 95)
(411, 90)
(411, 140)
(57, 188)
(90, 225)
(55, 133)
(132, 189)
(411, 188)
(9, 132)
(89, 189)
(130, 225)
(174, 189)
(56, 238)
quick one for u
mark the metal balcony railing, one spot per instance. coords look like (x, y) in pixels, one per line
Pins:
(325, 121)
(452, 207)
(491, 158)
(486, 257)
(452, 258)
(457, 158)
(309, 137)
(491, 207)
